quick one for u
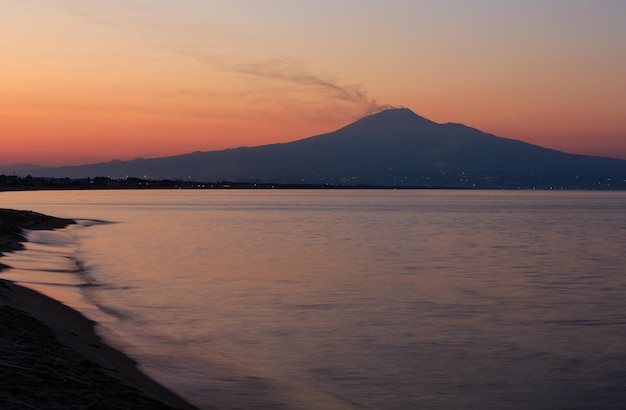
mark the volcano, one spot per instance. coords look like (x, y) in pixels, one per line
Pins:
(394, 147)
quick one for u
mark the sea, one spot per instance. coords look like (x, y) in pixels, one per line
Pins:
(348, 299)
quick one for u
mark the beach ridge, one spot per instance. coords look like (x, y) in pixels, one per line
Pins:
(52, 357)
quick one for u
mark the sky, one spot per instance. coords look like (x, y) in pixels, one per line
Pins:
(91, 81)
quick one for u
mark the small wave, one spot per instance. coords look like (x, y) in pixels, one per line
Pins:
(55, 284)
(586, 322)
(44, 262)
(92, 222)
(115, 287)
(42, 277)
(55, 239)
(52, 270)
(112, 312)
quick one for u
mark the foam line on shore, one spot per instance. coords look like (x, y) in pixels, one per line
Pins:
(53, 357)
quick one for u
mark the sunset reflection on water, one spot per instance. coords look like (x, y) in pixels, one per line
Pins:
(383, 299)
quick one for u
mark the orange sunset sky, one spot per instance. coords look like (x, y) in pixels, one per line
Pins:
(90, 81)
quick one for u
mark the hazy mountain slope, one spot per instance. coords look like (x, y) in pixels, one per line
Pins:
(393, 147)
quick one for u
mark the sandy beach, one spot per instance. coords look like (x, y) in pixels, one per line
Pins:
(51, 356)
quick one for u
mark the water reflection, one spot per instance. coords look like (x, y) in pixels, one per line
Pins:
(389, 300)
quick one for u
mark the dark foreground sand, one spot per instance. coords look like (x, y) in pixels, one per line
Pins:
(50, 356)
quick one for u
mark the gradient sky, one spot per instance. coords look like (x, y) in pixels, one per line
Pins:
(89, 81)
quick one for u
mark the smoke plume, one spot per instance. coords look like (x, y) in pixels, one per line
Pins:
(293, 73)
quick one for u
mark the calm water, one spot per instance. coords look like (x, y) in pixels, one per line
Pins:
(349, 299)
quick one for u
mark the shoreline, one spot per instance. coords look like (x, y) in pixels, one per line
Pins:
(52, 356)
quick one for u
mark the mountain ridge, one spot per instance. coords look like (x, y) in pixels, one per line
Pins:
(392, 147)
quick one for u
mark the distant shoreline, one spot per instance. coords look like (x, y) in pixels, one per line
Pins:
(52, 356)
(16, 183)
(28, 183)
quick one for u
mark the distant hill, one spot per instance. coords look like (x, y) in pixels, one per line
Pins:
(19, 169)
(394, 147)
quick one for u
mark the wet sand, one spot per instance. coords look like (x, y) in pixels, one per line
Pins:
(51, 356)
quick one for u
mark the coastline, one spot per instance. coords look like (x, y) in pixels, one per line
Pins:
(52, 357)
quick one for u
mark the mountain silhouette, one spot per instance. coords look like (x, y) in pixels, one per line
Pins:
(394, 147)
